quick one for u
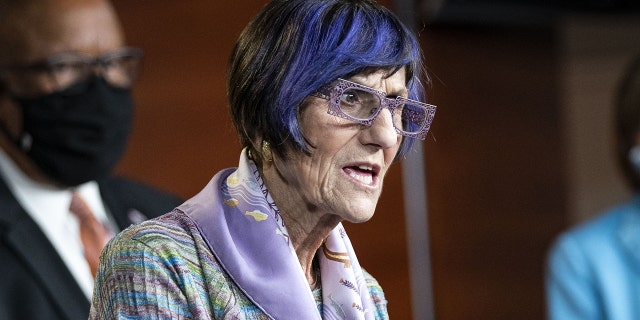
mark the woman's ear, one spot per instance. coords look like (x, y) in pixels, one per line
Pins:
(260, 151)
(267, 154)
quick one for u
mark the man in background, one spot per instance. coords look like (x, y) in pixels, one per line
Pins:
(65, 116)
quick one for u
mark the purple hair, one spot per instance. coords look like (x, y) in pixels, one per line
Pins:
(294, 47)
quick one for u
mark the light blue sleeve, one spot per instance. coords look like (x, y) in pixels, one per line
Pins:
(570, 286)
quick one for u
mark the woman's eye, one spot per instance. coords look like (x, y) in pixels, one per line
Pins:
(350, 97)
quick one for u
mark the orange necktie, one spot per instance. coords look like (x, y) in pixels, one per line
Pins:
(94, 235)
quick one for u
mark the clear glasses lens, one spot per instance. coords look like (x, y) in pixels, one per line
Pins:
(122, 70)
(414, 118)
(359, 104)
(363, 105)
(64, 73)
(119, 68)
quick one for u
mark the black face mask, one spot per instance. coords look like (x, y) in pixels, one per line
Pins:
(78, 134)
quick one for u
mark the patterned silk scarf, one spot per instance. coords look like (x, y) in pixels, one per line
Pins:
(243, 227)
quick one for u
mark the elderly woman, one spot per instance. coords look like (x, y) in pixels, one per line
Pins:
(324, 96)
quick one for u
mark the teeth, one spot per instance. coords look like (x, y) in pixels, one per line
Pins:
(363, 167)
(366, 178)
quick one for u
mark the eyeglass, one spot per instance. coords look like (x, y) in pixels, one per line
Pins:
(362, 104)
(118, 67)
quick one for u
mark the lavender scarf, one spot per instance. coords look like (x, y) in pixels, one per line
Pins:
(243, 228)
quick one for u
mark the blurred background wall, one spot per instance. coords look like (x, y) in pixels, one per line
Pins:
(520, 148)
(524, 141)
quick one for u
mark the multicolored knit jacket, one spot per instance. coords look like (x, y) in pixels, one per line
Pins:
(165, 269)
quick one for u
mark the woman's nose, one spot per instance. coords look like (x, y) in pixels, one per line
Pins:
(382, 132)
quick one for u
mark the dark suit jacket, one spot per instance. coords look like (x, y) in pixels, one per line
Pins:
(34, 281)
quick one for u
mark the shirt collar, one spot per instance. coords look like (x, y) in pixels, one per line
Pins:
(48, 205)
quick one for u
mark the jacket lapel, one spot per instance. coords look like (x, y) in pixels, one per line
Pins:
(38, 256)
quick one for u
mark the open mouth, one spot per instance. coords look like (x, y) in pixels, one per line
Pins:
(364, 173)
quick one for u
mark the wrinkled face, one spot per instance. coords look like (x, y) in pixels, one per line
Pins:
(348, 162)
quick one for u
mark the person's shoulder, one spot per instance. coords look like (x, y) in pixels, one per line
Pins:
(603, 226)
(377, 295)
(170, 237)
(595, 237)
(172, 227)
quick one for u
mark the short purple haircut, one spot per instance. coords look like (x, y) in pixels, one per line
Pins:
(294, 47)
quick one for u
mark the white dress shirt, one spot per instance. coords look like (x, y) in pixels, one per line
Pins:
(48, 206)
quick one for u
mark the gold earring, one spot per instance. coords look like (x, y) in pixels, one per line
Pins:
(266, 151)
